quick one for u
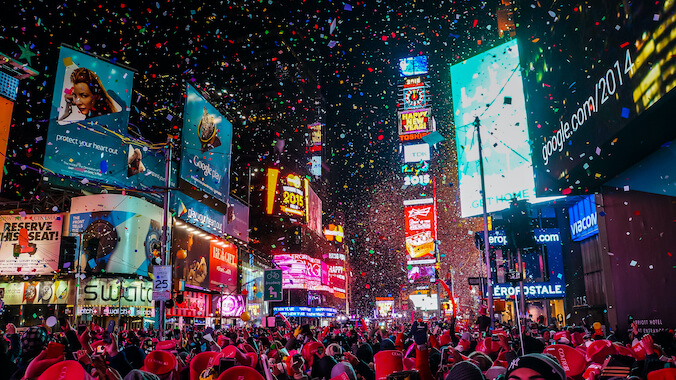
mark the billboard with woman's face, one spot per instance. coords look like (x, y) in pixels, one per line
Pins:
(88, 124)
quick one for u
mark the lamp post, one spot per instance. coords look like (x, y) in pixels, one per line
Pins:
(489, 278)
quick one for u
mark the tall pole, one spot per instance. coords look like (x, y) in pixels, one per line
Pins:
(522, 297)
(164, 257)
(77, 280)
(489, 279)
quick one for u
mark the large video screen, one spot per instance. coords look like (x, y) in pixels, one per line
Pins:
(489, 86)
(206, 146)
(420, 230)
(88, 124)
(592, 73)
(300, 271)
(413, 66)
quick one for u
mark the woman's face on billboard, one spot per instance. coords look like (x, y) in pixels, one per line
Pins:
(83, 98)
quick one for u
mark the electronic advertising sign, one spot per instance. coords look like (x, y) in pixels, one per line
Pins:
(593, 73)
(421, 273)
(417, 153)
(118, 233)
(88, 122)
(286, 194)
(206, 146)
(536, 266)
(493, 77)
(412, 66)
(385, 306)
(420, 227)
(414, 121)
(314, 141)
(299, 271)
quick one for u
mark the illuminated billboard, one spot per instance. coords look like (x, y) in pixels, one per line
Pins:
(412, 66)
(314, 140)
(119, 233)
(588, 96)
(314, 211)
(414, 97)
(385, 306)
(421, 273)
(476, 82)
(416, 153)
(414, 121)
(420, 228)
(206, 146)
(299, 271)
(30, 244)
(286, 194)
(88, 123)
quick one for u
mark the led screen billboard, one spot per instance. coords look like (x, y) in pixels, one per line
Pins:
(299, 271)
(385, 306)
(414, 121)
(420, 226)
(593, 72)
(492, 78)
(30, 244)
(286, 193)
(118, 233)
(416, 153)
(206, 146)
(413, 66)
(88, 122)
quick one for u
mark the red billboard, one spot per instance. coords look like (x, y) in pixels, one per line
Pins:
(420, 230)
(222, 265)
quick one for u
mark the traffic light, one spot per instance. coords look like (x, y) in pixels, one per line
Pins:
(519, 225)
(67, 252)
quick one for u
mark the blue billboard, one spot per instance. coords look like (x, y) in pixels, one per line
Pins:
(583, 219)
(206, 146)
(88, 123)
(198, 214)
(413, 66)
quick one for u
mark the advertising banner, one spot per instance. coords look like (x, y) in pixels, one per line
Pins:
(194, 305)
(37, 292)
(286, 194)
(106, 292)
(89, 118)
(314, 141)
(587, 98)
(231, 305)
(416, 153)
(583, 219)
(421, 273)
(198, 214)
(222, 265)
(190, 254)
(119, 233)
(206, 146)
(506, 145)
(300, 271)
(30, 244)
(314, 211)
(411, 66)
(385, 305)
(414, 121)
(420, 230)
(237, 223)
(536, 266)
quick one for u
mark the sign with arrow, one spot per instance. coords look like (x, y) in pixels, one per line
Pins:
(272, 285)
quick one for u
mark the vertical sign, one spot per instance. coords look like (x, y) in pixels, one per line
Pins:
(161, 282)
(272, 285)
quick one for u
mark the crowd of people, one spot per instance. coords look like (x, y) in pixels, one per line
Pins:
(425, 350)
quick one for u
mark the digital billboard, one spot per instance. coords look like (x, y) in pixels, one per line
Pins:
(314, 140)
(222, 264)
(314, 211)
(206, 146)
(414, 121)
(197, 213)
(385, 306)
(412, 66)
(421, 273)
(30, 244)
(491, 78)
(286, 193)
(587, 97)
(191, 253)
(420, 227)
(118, 231)
(583, 219)
(237, 222)
(300, 271)
(417, 153)
(88, 122)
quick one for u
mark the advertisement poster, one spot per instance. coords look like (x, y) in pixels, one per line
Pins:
(119, 233)
(30, 244)
(300, 271)
(190, 253)
(314, 211)
(223, 265)
(106, 292)
(385, 306)
(198, 214)
(37, 292)
(88, 124)
(237, 223)
(506, 145)
(206, 146)
(420, 230)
